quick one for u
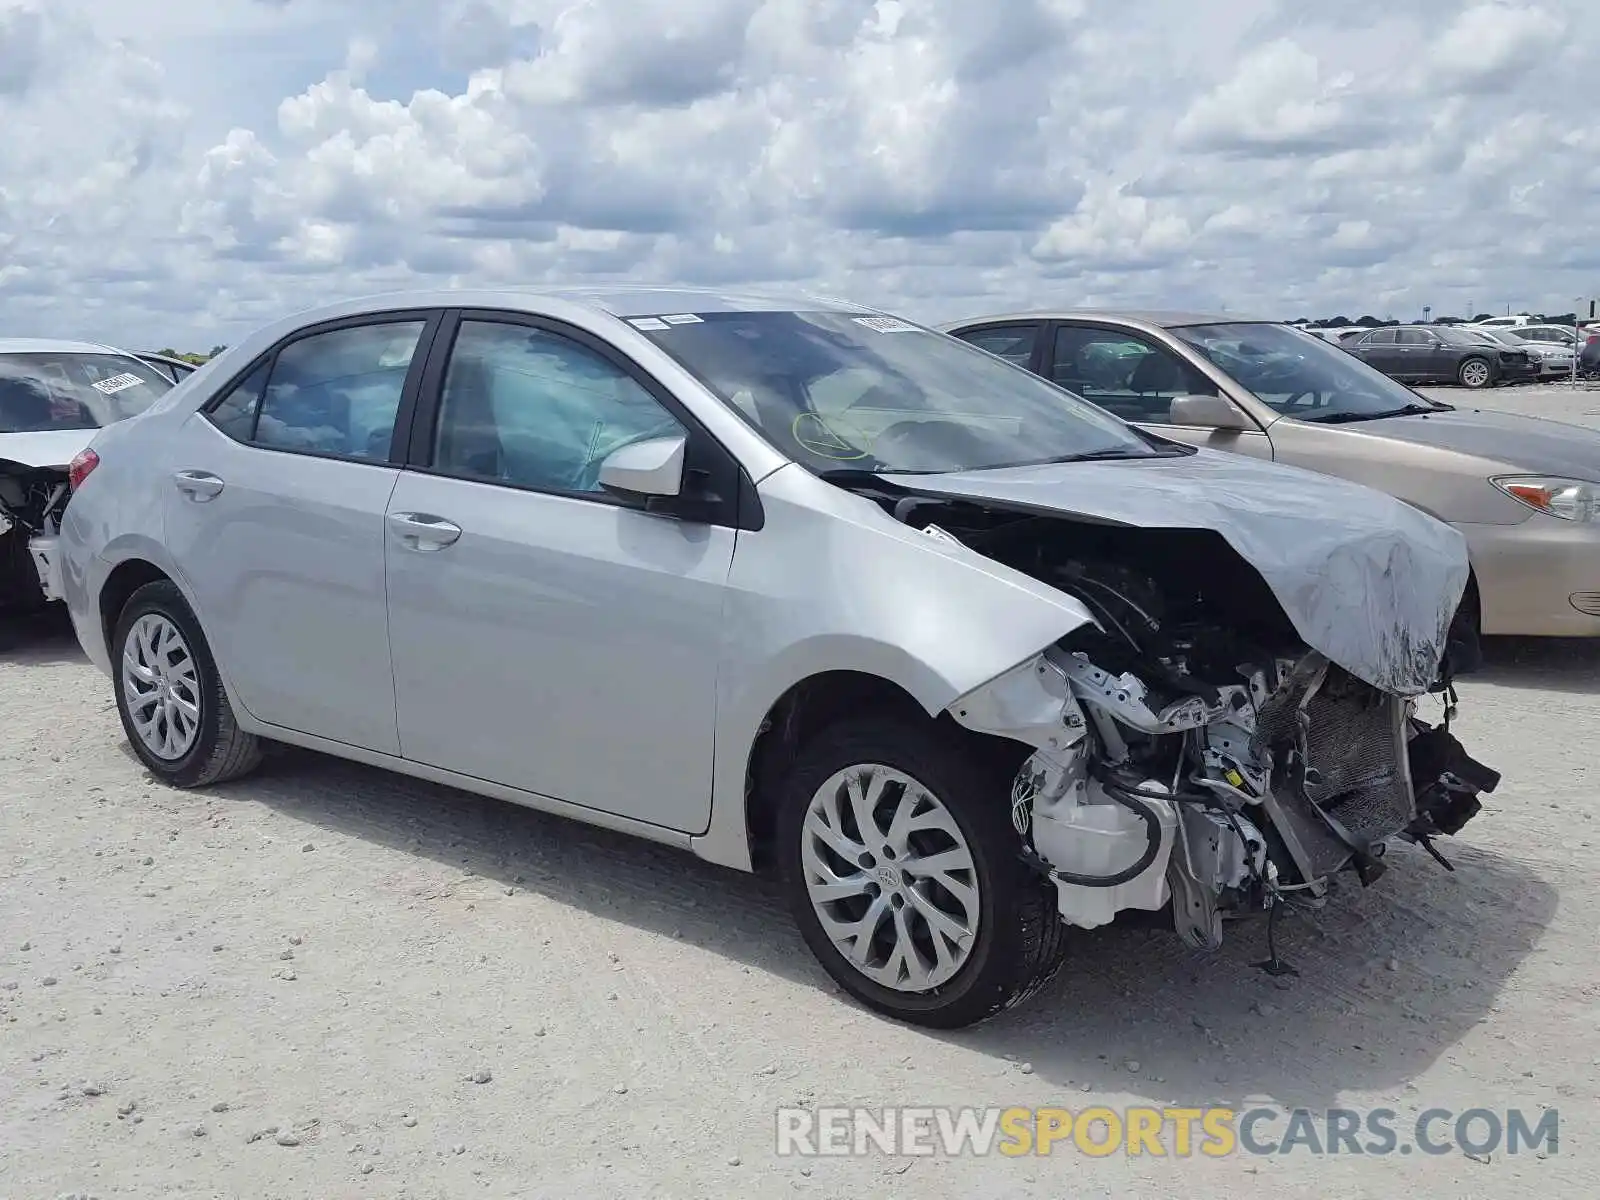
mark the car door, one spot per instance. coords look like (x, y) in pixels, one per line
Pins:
(1138, 378)
(275, 517)
(548, 635)
(1380, 349)
(1418, 355)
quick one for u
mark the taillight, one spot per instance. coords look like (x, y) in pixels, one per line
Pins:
(85, 462)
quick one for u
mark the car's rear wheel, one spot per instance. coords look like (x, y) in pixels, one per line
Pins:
(170, 697)
(902, 870)
(1475, 373)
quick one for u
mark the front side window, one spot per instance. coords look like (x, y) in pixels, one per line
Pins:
(535, 409)
(40, 392)
(1123, 373)
(1302, 376)
(834, 391)
(334, 393)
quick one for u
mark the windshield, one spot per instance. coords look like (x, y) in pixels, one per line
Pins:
(871, 393)
(1299, 375)
(41, 392)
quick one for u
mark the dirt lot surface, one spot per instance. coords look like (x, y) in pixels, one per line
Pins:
(412, 992)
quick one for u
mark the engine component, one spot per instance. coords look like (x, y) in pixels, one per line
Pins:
(1090, 833)
(1214, 862)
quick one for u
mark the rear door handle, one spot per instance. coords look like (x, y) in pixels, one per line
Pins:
(198, 485)
(423, 531)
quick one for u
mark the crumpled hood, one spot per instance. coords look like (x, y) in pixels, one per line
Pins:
(49, 448)
(1366, 579)
(1532, 444)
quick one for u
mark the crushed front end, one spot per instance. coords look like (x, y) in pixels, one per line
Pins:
(1239, 724)
(1221, 799)
(32, 500)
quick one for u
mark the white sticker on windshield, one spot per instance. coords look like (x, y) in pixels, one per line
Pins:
(648, 323)
(886, 324)
(681, 319)
(116, 384)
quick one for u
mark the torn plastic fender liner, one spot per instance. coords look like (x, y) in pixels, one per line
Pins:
(1366, 579)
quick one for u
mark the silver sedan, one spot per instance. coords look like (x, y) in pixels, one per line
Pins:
(795, 586)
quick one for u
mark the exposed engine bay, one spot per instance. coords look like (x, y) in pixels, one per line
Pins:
(1190, 749)
(32, 500)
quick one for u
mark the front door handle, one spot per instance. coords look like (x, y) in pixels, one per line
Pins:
(198, 485)
(423, 531)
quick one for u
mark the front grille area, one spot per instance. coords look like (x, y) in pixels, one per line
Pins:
(1586, 602)
(1355, 746)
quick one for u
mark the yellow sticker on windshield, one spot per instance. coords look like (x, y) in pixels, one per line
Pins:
(825, 440)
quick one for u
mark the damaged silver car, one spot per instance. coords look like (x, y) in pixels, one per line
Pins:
(53, 396)
(796, 586)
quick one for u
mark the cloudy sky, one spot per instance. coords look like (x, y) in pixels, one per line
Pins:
(175, 171)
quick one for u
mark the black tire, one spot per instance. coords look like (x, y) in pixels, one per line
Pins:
(1021, 940)
(221, 750)
(1483, 377)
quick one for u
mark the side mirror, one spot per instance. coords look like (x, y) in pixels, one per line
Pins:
(649, 469)
(1207, 412)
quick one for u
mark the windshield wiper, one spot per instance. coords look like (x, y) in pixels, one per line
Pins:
(1346, 418)
(1111, 454)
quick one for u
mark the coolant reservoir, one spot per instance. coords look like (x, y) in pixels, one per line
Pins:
(1088, 833)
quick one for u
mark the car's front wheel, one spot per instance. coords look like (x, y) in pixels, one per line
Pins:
(170, 697)
(903, 873)
(1475, 373)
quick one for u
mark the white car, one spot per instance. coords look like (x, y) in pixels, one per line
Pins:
(54, 395)
(790, 584)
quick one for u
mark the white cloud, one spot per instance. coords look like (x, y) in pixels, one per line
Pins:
(179, 174)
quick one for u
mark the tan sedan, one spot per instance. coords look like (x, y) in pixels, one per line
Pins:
(1524, 491)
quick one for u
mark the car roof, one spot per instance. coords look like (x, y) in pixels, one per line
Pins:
(618, 300)
(1159, 318)
(56, 346)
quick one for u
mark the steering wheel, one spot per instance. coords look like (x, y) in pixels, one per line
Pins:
(588, 475)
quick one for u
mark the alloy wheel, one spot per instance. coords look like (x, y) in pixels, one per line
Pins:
(891, 877)
(1475, 374)
(161, 687)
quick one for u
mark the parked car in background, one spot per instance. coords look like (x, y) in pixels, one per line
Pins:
(1507, 322)
(1553, 360)
(53, 397)
(1443, 354)
(175, 369)
(787, 583)
(1550, 335)
(1524, 491)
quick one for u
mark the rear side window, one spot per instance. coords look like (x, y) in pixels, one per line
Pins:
(236, 415)
(335, 393)
(1014, 343)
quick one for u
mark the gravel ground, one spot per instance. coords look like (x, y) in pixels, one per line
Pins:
(330, 981)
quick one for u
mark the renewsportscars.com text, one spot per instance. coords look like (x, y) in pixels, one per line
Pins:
(1161, 1132)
